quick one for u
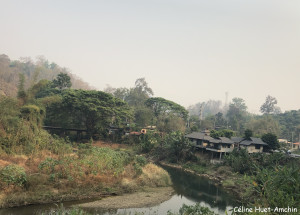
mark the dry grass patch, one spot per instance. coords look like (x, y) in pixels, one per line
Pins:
(14, 159)
(129, 184)
(154, 176)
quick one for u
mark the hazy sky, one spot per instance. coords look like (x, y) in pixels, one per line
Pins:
(188, 51)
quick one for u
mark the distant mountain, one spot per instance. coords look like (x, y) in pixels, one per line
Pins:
(33, 72)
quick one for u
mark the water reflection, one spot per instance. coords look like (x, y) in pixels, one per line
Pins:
(199, 189)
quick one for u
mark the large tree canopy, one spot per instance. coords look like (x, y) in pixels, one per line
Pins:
(161, 106)
(236, 113)
(91, 110)
(62, 81)
(271, 140)
(269, 106)
(263, 124)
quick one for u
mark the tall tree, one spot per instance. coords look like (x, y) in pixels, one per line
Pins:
(62, 81)
(263, 124)
(271, 140)
(220, 121)
(289, 121)
(21, 89)
(166, 112)
(248, 134)
(139, 94)
(237, 113)
(161, 106)
(269, 106)
(136, 97)
(142, 86)
(211, 107)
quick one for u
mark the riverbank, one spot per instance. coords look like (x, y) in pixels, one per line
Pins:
(231, 182)
(148, 197)
(88, 173)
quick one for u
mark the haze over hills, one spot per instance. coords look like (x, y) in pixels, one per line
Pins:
(33, 72)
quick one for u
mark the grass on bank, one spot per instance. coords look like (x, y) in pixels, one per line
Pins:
(48, 176)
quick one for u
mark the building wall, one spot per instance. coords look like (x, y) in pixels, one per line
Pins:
(296, 146)
(252, 149)
(282, 140)
(226, 149)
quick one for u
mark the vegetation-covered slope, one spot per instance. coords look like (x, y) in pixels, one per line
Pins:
(33, 72)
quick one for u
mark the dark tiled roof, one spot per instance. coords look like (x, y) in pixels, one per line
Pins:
(208, 138)
(215, 141)
(253, 141)
(226, 140)
(203, 136)
(236, 139)
(246, 142)
(199, 136)
(258, 141)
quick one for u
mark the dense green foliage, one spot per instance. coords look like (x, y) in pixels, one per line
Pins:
(248, 134)
(263, 124)
(166, 115)
(237, 113)
(90, 110)
(271, 140)
(161, 106)
(62, 81)
(20, 128)
(221, 133)
(278, 186)
(276, 177)
(239, 161)
(289, 124)
(13, 175)
(196, 209)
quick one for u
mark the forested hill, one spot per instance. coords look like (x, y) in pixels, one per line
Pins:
(10, 71)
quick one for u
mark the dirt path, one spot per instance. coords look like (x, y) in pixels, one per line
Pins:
(147, 198)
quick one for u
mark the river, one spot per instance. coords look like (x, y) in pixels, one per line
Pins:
(189, 189)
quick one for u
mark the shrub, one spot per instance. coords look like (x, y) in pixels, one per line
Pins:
(280, 186)
(177, 147)
(228, 183)
(240, 161)
(148, 142)
(13, 174)
(139, 162)
(193, 210)
(105, 160)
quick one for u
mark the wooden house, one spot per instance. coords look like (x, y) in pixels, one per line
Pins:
(296, 146)
(221, 144)
(199, 139)
(204, 142)
(252, 145)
